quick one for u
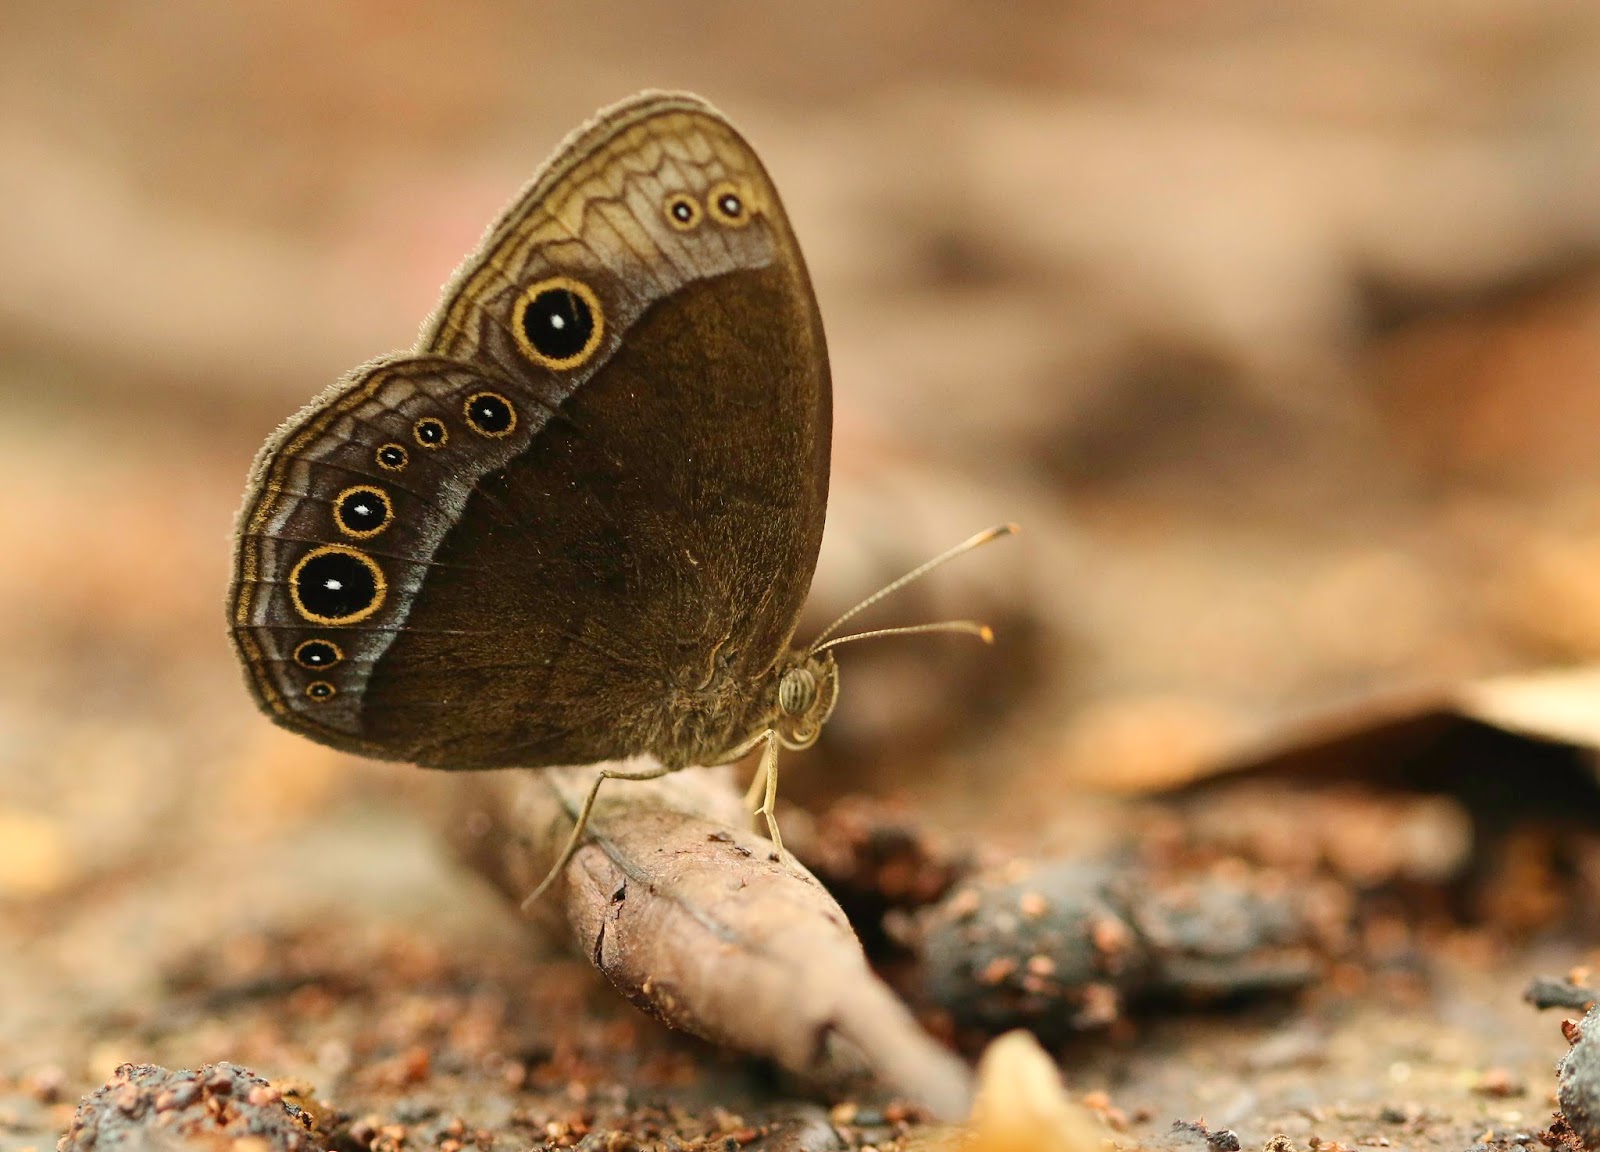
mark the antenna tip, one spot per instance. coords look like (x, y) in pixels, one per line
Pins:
(986, 634)
(988, 534)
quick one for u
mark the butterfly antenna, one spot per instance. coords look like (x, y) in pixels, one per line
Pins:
(968, 626)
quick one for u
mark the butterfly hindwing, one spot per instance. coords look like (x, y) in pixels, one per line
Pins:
(371, 476)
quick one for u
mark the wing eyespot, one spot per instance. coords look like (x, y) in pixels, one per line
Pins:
(490, 414)
(320, 690)
(729, 205)
(317, 654)
(334, 584)
(392, 457)
(363, 511)
(682, 211)
(558, 323)
(430, 432)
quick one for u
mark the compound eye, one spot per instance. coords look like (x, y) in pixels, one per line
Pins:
(797, 691)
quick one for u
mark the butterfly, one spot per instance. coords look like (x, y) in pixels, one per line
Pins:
(578, 521)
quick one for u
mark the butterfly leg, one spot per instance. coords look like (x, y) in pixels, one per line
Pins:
(758, 781)
(766, 785)
(582, 824)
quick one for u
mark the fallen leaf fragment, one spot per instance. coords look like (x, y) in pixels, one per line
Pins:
(1021, 1107)
(1416, 738)
(1510, 751)
(33, 854)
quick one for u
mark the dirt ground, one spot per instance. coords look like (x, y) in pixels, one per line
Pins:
(1279, 333)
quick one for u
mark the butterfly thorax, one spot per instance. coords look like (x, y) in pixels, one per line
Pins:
(719, 718)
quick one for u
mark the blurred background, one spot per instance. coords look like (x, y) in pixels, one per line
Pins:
(1278, 329)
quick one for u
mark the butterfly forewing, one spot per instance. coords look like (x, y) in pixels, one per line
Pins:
(580, 521)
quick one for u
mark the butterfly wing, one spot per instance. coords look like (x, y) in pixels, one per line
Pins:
(580, 521)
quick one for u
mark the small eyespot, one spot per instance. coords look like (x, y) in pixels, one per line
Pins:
(727, 204)
(317, 654)
(392, 457)
(362, 511)
(430, 432)
(336, 585)
(558, 322)
(490, 414)
(320, 690)
(682, 211)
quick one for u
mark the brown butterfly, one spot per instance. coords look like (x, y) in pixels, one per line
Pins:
(576, 523)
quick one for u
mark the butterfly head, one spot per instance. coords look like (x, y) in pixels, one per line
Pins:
(808, 686)
(807, 692)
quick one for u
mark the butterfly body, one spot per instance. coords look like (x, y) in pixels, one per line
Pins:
(578, 522)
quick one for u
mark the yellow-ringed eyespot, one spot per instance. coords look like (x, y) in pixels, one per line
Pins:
(337, 585)
(320, 690)
(392, 457)
(682, 211)
(490, 414)
(363, 511)
(317, 654)
(728, 204)
(430, 432)
(558, 323)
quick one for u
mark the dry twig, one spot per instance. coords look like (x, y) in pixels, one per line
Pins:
(693, 918)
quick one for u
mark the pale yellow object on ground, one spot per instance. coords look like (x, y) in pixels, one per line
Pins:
(1021, 1107)
(33, 854)
(1560, 704)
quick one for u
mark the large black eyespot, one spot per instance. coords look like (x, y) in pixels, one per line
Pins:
(336, 585)
(727, 204)
(393, 457)
(320, 690)
(491, 414)
(682, 211)
(430, 432)
(317, 654)
(363, 511)
(558, 322)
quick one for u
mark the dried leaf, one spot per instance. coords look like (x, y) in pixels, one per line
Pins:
(1562, 705)
(1507, 747)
